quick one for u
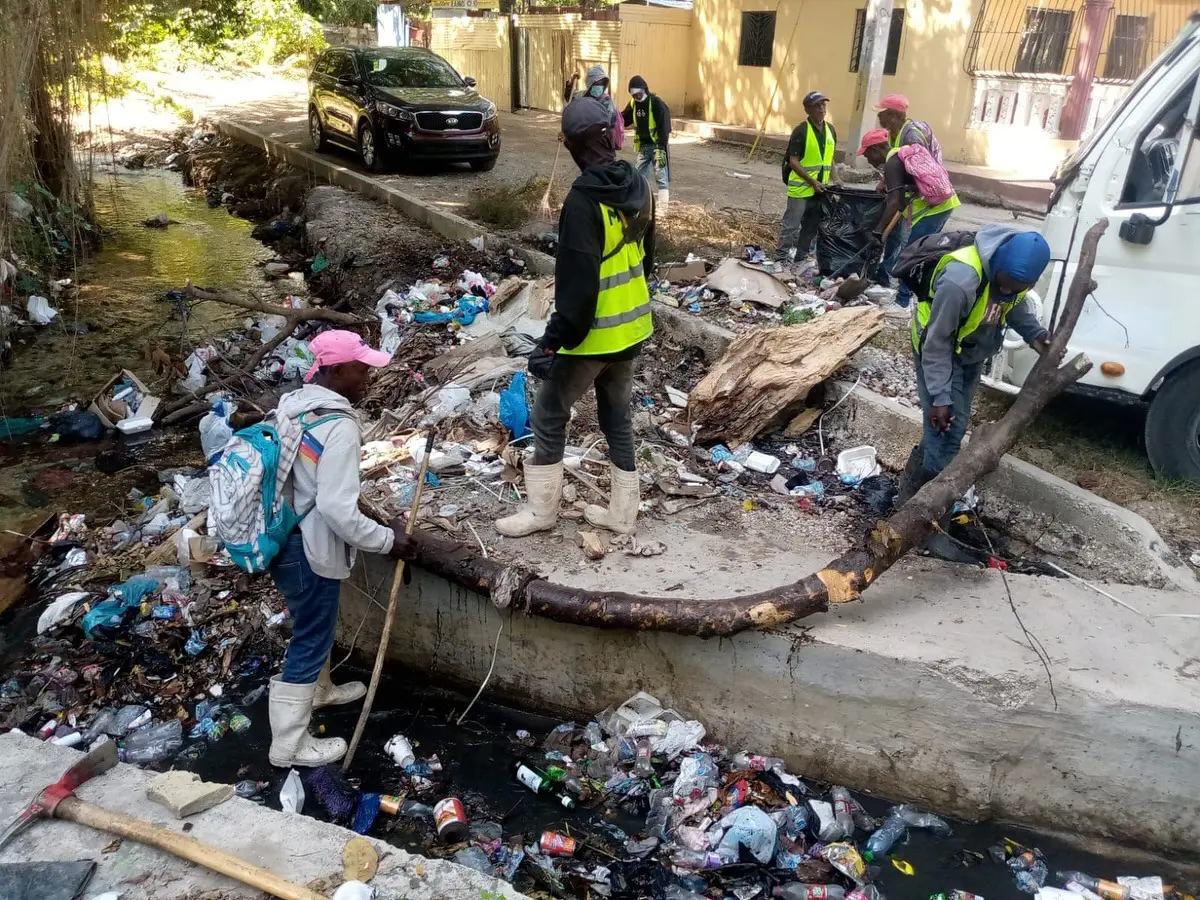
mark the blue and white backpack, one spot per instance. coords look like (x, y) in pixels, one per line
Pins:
(250, 512)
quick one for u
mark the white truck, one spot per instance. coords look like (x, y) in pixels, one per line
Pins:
(1140, 168)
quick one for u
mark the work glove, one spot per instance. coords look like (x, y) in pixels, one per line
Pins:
(403, 545)
(660, 158)
(541, 360)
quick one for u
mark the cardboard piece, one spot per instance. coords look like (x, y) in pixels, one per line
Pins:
(743, 283)
(692, 270)
(111, 412)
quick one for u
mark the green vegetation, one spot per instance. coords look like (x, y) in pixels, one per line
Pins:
(506, 207)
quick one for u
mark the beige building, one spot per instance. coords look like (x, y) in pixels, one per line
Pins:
(993, 77)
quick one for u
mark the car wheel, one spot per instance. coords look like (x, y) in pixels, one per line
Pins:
(1173, 426)
(315, 129)
(483, 165)
(368, 148)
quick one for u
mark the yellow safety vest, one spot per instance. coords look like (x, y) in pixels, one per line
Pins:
(623, 305)
(817, 164)
(970, 256)
(653, 125)
(919, 207)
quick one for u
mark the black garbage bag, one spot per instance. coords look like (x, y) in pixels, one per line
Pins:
(80, 425)
(848, 217)
(878, 493)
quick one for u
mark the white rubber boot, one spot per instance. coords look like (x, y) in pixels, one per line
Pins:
(330, 694)
(543, 490)
(664, 200)
(622, 511)
(291, 708)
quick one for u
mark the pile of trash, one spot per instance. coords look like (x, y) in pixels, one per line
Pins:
(713, 823)
(165, 661)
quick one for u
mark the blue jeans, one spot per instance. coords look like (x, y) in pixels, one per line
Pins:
(926, 226)
(941, 446)
(313, 603)
(891, 252)
(645, 165)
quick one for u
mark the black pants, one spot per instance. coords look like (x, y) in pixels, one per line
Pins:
(570, 377)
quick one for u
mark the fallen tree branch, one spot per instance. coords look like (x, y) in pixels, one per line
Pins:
(842, 580)
(296, 316)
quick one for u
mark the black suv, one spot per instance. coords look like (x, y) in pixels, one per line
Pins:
(400, 102)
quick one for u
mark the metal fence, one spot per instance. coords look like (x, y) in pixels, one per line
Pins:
(1039, 38)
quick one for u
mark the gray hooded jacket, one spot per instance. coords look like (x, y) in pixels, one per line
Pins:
(954, 292)
(327, 489)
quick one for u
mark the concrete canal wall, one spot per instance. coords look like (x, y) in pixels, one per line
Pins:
(925, 691)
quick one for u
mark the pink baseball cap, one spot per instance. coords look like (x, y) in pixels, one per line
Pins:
(897, 102)
(333, 348)
(871, 138)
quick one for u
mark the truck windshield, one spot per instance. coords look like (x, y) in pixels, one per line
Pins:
(1189, 34)
(409, 71)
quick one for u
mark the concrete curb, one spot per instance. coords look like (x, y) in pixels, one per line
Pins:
(444, 223)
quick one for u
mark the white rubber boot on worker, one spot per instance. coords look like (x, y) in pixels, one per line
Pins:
(621, 514)
(543, 490)
(330, 694)
(291, 709)
(664, 200)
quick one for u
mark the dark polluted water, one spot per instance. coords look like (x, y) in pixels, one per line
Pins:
(478, 758)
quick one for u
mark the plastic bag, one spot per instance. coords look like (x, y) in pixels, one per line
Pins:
(354, 890)
(878, 493)
(39, 310)
(389, 330)
(680, 737)
(485, 410)
(291, 795)
(79, 425)
(828, 828)
(59, 610)
(697, 774)
(215, 430)
(749, 827)
(514, 408)
(448, 402)
(848, 219)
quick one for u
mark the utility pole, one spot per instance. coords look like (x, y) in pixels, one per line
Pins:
(871, 58)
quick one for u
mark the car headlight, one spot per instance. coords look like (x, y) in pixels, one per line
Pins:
(394, 112)
(490, 112)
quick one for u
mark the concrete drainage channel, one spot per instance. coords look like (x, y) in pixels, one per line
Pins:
(908, 694)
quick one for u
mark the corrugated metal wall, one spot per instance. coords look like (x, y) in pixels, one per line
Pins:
(478, 47)
(656, 44)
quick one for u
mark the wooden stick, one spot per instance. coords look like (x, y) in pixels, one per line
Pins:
(390, 619)
(75, 810)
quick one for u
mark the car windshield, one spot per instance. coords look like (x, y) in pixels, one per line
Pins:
(410, 71)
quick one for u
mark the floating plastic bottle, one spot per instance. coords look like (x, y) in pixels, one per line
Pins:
(643, 768)
(890, 833)
(1109, 890)
(154, 743)
(250, 788)
(915, 818)
(843, 809)
(800, 891)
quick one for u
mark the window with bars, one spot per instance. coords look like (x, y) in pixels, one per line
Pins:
(758, 39)
(1127, 48)
(1044, 39)
(895, 34)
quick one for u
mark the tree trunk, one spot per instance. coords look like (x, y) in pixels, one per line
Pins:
(842, 580)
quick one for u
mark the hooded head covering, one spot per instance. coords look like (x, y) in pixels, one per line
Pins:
(587, 132)
(595, 74)
(638, 83)
(1022, 257)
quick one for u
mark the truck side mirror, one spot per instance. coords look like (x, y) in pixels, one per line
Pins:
(1138, 229)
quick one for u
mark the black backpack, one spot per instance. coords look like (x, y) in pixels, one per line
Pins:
(918, 260)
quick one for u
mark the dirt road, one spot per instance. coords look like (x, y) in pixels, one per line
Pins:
(702, 173)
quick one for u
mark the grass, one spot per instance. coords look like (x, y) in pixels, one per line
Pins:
(508, 208)
(695, 229)
(1099, 447)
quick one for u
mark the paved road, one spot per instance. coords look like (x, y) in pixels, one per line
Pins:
(703, 171)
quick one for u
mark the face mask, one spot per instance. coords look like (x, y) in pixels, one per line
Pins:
(639, 96)
(596, 90)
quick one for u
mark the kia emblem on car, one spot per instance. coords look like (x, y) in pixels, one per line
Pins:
(451, 121)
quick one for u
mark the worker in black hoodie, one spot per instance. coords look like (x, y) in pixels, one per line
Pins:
(652, 135)
(601, 319)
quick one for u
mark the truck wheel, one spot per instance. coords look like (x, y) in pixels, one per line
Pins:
(1173, 426)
